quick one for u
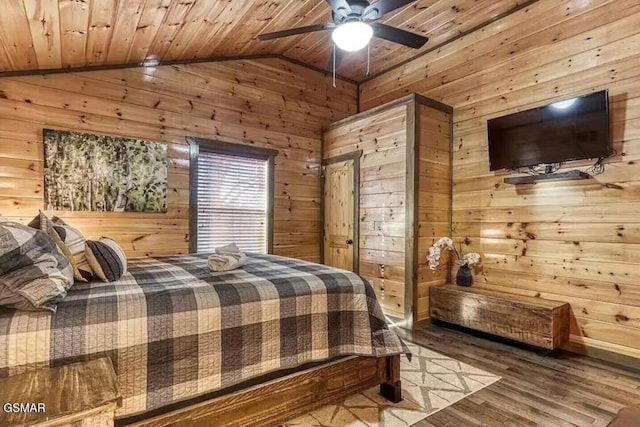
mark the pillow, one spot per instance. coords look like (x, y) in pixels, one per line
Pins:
(73, 247)
(34, 274)
(106, 258)
(43, 223)
(69, 240)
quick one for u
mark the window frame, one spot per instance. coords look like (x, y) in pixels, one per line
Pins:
(196, 145)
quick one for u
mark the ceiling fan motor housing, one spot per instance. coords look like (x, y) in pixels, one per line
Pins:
(342, 16)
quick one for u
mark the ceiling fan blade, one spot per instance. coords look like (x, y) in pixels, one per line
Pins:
(384, 6)
(339, 57)
(296, 31)
(397, 35)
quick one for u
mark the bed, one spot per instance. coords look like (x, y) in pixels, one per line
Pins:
(174, 330)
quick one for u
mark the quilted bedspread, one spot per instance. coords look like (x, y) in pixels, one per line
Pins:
(175, 330)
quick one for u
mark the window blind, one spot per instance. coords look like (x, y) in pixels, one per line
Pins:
(232, 202)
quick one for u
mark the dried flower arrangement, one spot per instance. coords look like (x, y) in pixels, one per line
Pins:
(470, 259)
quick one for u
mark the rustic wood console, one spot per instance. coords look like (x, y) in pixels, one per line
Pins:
(534, 321)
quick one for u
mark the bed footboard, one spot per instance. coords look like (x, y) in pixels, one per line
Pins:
(282, 399)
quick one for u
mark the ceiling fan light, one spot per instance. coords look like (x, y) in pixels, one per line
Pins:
(352, 36)
(563, 105)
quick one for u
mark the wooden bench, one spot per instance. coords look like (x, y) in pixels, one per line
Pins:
(534, 321)
(78, 395)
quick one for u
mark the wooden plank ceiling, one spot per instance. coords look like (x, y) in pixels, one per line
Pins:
(54, 34)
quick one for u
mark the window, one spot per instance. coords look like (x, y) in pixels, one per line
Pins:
(232, 196)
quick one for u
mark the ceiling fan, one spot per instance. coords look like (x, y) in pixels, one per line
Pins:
(353, 27)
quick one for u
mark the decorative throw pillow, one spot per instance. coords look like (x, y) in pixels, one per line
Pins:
(43, 223)
(106, 258)
(34, 274)
(74, 244)
(69, 240)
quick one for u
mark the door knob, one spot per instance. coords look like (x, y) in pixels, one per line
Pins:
(349, 242)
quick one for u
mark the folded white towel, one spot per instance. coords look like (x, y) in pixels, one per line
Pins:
(227, 258)
(230, 249)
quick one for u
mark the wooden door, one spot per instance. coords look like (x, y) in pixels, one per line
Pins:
(340, 237)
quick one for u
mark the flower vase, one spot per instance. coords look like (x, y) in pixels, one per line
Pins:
(464, 276)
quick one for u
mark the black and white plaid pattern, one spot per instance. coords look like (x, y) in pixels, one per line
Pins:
(174, 329)
(34, 274)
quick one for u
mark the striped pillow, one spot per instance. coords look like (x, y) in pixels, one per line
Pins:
(106, 258)
(73, 247)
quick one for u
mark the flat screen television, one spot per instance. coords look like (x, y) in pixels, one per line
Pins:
(576, 128)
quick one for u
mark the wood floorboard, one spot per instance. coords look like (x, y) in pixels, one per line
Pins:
(561, 390)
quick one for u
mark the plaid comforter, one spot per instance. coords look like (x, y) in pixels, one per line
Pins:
(174, 329)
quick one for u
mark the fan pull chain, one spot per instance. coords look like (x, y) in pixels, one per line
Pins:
(369, 60)
(334, 64)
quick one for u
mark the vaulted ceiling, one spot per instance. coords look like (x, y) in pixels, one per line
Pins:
(54, 34)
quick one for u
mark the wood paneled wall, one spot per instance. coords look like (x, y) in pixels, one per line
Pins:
(434, 199)
(577, 241)
(382, 138)
(405, 196)
(268, 103)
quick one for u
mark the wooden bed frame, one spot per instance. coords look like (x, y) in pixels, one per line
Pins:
(281, 399)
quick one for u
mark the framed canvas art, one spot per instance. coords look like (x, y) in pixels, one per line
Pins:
(87, 172)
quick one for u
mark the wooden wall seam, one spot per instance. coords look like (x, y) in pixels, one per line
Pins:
(451, 180)
(194, 154)
(212, 59)
(434, 197)
(411, 212)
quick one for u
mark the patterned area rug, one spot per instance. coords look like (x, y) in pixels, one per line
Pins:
(430, 382)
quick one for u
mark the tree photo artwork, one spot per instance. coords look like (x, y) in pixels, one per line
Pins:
(87, 172)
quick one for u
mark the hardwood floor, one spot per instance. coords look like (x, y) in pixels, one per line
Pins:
(562, 390)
